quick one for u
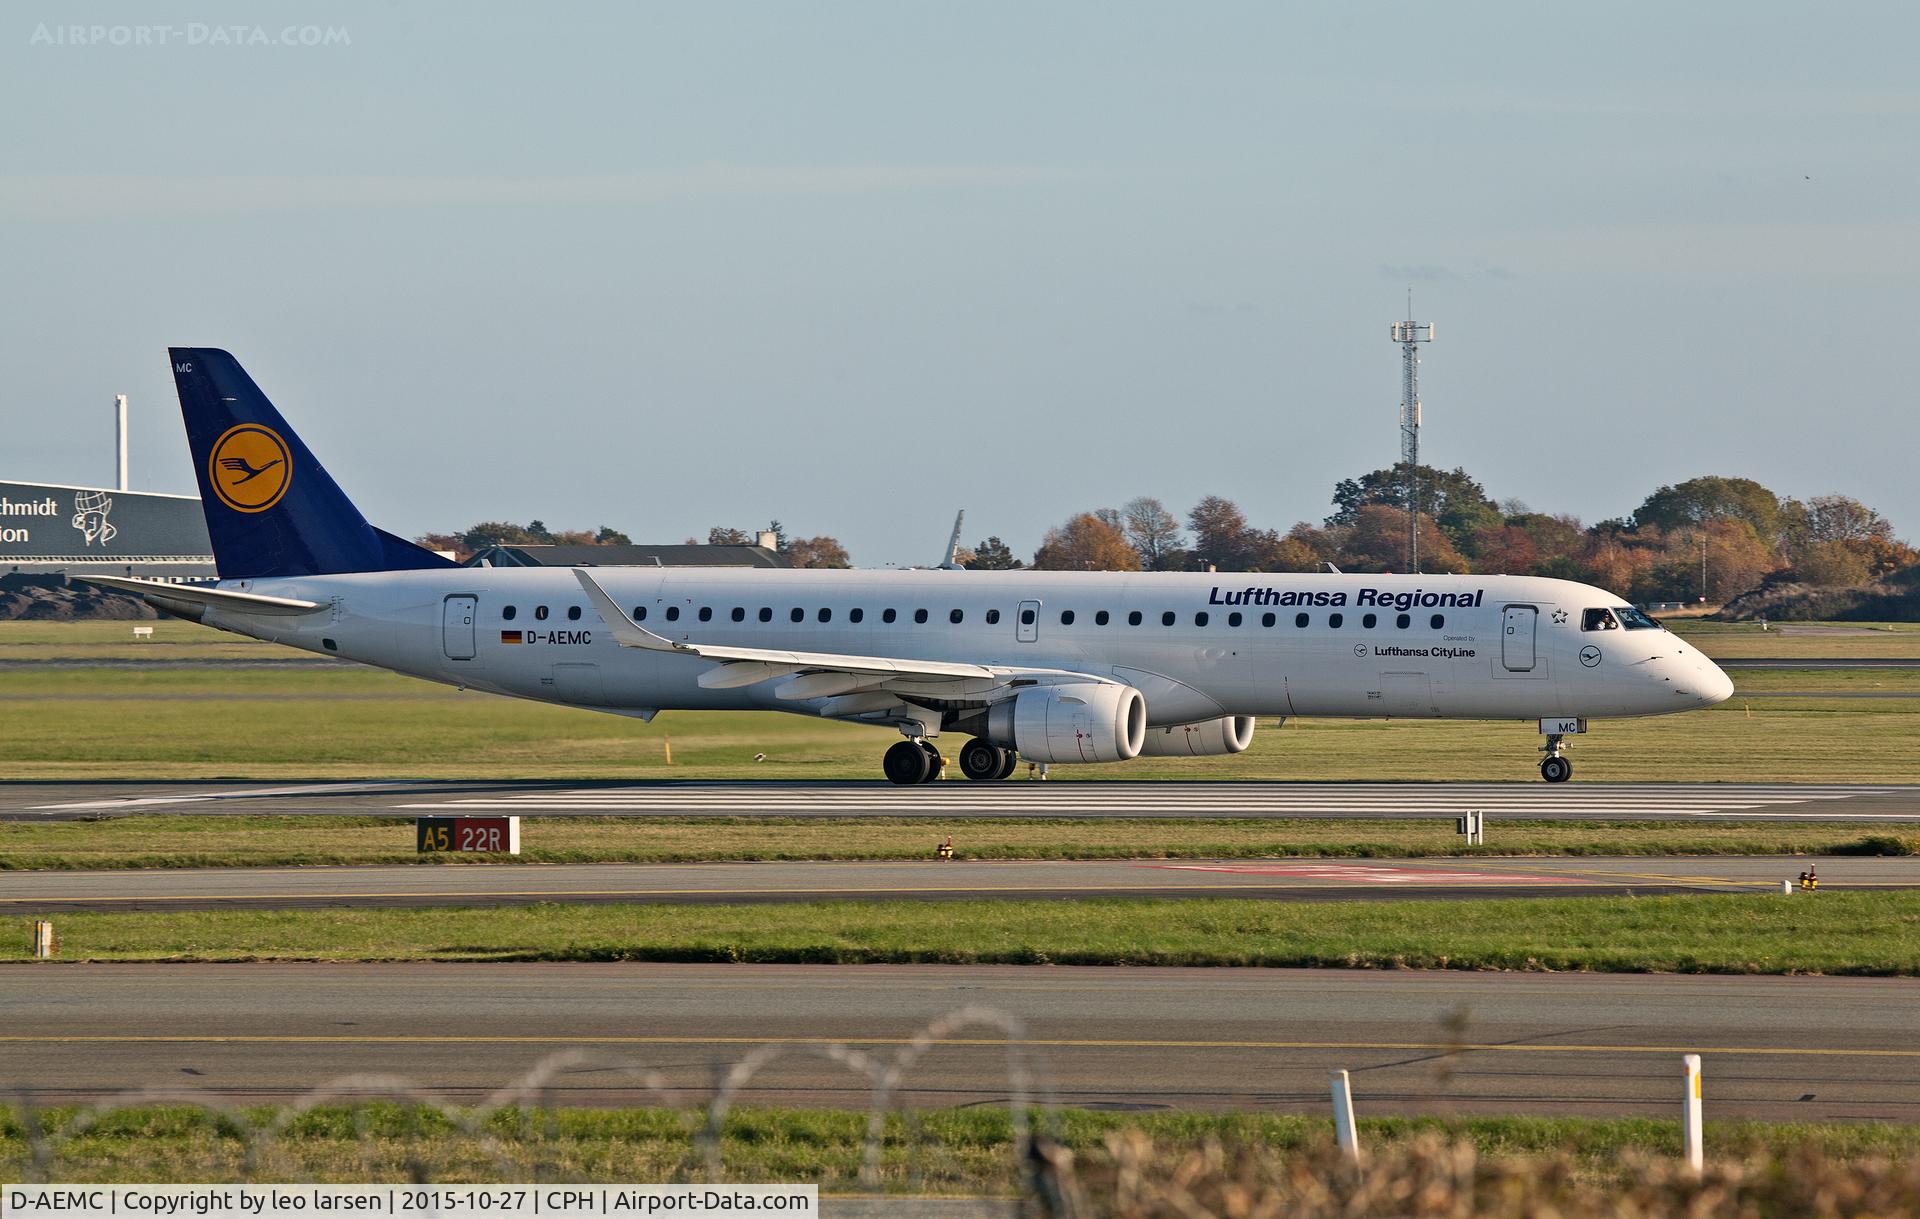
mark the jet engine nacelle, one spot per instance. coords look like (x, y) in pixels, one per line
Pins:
(1078, 722)
(1228, 734)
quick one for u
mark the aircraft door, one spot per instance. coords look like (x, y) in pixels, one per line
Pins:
(1517, 626)
(456, 626)
(1027, 625)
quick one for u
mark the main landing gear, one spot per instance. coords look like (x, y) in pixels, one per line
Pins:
(909, 762)
(984, 762)
(1555, 768)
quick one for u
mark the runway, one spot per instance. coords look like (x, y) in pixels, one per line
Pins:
(757, 883)
(1062, 798)
(1600, 1045)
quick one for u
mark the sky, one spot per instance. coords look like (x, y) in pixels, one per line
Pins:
(855, 266)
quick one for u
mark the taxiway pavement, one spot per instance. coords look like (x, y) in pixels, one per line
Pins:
(1830, 1049)
(755, 883)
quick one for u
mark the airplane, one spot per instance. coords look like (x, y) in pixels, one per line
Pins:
(1049, 666)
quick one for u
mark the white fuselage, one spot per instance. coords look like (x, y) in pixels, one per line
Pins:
(1485, 647)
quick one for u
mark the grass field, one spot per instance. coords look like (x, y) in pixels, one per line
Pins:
(1834, 933)
(953, 1151)
(212, 842)
(333, 722)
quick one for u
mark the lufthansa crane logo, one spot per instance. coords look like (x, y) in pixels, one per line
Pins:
(249, 468)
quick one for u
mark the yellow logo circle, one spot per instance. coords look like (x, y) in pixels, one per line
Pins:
(250, 467)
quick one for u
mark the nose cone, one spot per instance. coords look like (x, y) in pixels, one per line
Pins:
(1715, 685)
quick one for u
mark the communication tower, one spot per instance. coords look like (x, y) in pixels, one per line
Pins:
(1410, 334)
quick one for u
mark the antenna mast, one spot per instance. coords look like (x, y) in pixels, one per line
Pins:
(1410, 334)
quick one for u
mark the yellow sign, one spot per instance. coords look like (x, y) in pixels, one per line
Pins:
(250, 467)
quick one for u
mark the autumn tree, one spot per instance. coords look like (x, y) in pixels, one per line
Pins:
(1085, 543)
(1220, 534)
(721, 535)
(1377, 541)
(822, 551)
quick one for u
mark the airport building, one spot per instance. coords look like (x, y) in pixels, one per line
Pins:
(51, 529)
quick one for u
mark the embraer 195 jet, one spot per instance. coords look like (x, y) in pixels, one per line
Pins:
(1055, 667)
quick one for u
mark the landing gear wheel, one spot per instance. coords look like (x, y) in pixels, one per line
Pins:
(983, 761)
(905, 762)
(1009, 762)
(1556, 770)
(934, 761)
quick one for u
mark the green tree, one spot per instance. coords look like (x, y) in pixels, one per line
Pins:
(1712, 498)
(1457, 503)
(609, 536)
(993, 555)
(721, 535)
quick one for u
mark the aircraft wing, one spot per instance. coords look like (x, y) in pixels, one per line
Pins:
(174, 597)
(820, 674)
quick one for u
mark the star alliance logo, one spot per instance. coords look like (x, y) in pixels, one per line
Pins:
(1559, 617)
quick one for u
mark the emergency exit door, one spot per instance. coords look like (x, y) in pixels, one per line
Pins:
(456, 626)
(1026, 627)
(1517, 627)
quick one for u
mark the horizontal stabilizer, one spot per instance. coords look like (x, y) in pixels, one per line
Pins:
(172, 596)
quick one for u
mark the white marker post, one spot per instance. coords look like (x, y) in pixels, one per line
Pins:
(1690, 1115)
(1343, 1128)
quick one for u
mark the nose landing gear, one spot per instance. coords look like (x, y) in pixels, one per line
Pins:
(1555, 768)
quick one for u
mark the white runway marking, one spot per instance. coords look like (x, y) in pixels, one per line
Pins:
(1703, 801)
(304, 789)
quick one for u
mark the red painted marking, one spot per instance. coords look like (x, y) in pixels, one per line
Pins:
(1372, 874)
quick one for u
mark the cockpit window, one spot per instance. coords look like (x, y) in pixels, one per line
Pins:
(1599, 620)
(1634, 619)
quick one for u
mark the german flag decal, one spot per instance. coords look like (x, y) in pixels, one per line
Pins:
(510, 637)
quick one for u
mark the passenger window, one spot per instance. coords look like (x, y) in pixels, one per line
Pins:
(888, 615)
(1026, 617)
(1066, 617)
(1102, 618)
(1234, 618)
(507, 612)
(1334, 620)
(706, 613)
(639, 613)
(673, 613)
(573, 613)
(1300, 620)
(1403, 621)
(1133, 619)
(766, 613)
(540, 612)
(1267, 620)
(1166, 619)
(1437, 621)
(1598, 620)
(993, 617)
(919, 615)
(1369, 621)
(796, 614)
(855, 615)
(954, 616)
(739, 613)
(826, 615)
(1200, 619)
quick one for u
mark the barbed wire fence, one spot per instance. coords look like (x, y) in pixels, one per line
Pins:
(530, 1100)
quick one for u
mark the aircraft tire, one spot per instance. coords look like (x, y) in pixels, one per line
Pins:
(934, 762)
(1556, 770)
(905, 763)
(983, 761)
(1009, 762)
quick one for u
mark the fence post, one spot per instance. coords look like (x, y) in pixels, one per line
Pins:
(1343, 1128)
(1690, 1112)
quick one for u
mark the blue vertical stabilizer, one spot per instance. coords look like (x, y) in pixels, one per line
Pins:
(272, 509)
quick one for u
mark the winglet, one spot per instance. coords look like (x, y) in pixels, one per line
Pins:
(626, 632)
